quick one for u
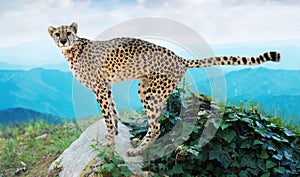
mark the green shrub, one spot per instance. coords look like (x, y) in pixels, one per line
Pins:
(247, 143)
(113, 164)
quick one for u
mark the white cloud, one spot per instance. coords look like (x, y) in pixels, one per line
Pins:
(215, 20)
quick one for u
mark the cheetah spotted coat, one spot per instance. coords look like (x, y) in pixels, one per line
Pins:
(99, 64)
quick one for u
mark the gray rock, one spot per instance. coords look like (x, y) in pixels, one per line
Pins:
(75, 159)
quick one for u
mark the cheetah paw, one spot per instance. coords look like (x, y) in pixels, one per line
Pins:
(108, 143)
(134, 152)
(136, 142)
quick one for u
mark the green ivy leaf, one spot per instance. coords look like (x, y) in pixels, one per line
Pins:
(228, 135)
(233, 117)
(253, 171)
(272, 125)
(261, 164)
(263, 117)
(288, 156)
(196, 129)
(225, 125)
(280, 170)
(177, 169)
(221, 155)
(280, 139)
(125, 171)
(243, 173)
(271, 148)
(277, 157)
(108, 167)
(195, 153)
(235, 154)
(263, 132)
(257, 142)
(161, 166)
(247, 161)
(270, 164)
(117, 160)
(259, 125)
(288, 132)
(115, 174)
(266, 174)
(246, 144)
(245, 119)
(264, 155)
(210, 167)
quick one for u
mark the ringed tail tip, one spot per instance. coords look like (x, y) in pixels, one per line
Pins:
(272, 56)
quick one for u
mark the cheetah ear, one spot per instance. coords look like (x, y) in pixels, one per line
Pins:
(50, 30)
(74, 26)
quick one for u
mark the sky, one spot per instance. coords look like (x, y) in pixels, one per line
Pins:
(217, 21)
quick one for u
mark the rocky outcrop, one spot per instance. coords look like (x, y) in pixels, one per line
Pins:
(80, 157)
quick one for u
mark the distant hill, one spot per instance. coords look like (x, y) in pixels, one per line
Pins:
(277, 91)
(21, 115)
(47, 91)
(261, 81)
(52, 91)
(6, 66)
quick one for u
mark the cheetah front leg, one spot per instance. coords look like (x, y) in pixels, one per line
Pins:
(110, 115)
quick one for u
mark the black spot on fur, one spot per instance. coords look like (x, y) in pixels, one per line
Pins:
(273, 56)
(257, 60)
(261, 58)
(244, 60)
(234, 59)
(267, 57)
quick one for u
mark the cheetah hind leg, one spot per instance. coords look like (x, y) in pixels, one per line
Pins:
(153, 112)
(152, 134)
(153, 98)
(142, 89)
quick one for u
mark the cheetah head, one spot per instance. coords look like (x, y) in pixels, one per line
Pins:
(64, 36)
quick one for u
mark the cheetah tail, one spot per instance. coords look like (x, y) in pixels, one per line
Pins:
(231, 60)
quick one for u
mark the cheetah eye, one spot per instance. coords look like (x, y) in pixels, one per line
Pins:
(57, 34)
(69, 33)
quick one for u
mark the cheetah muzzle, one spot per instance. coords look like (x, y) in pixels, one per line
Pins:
(99, 64)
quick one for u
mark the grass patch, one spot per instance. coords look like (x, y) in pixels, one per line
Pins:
(29, 149)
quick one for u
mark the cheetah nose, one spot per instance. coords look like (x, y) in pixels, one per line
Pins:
(63, 41)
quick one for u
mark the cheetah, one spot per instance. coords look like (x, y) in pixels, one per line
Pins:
(99, 64)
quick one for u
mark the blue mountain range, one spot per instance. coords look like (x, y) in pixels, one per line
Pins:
(56, 93)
